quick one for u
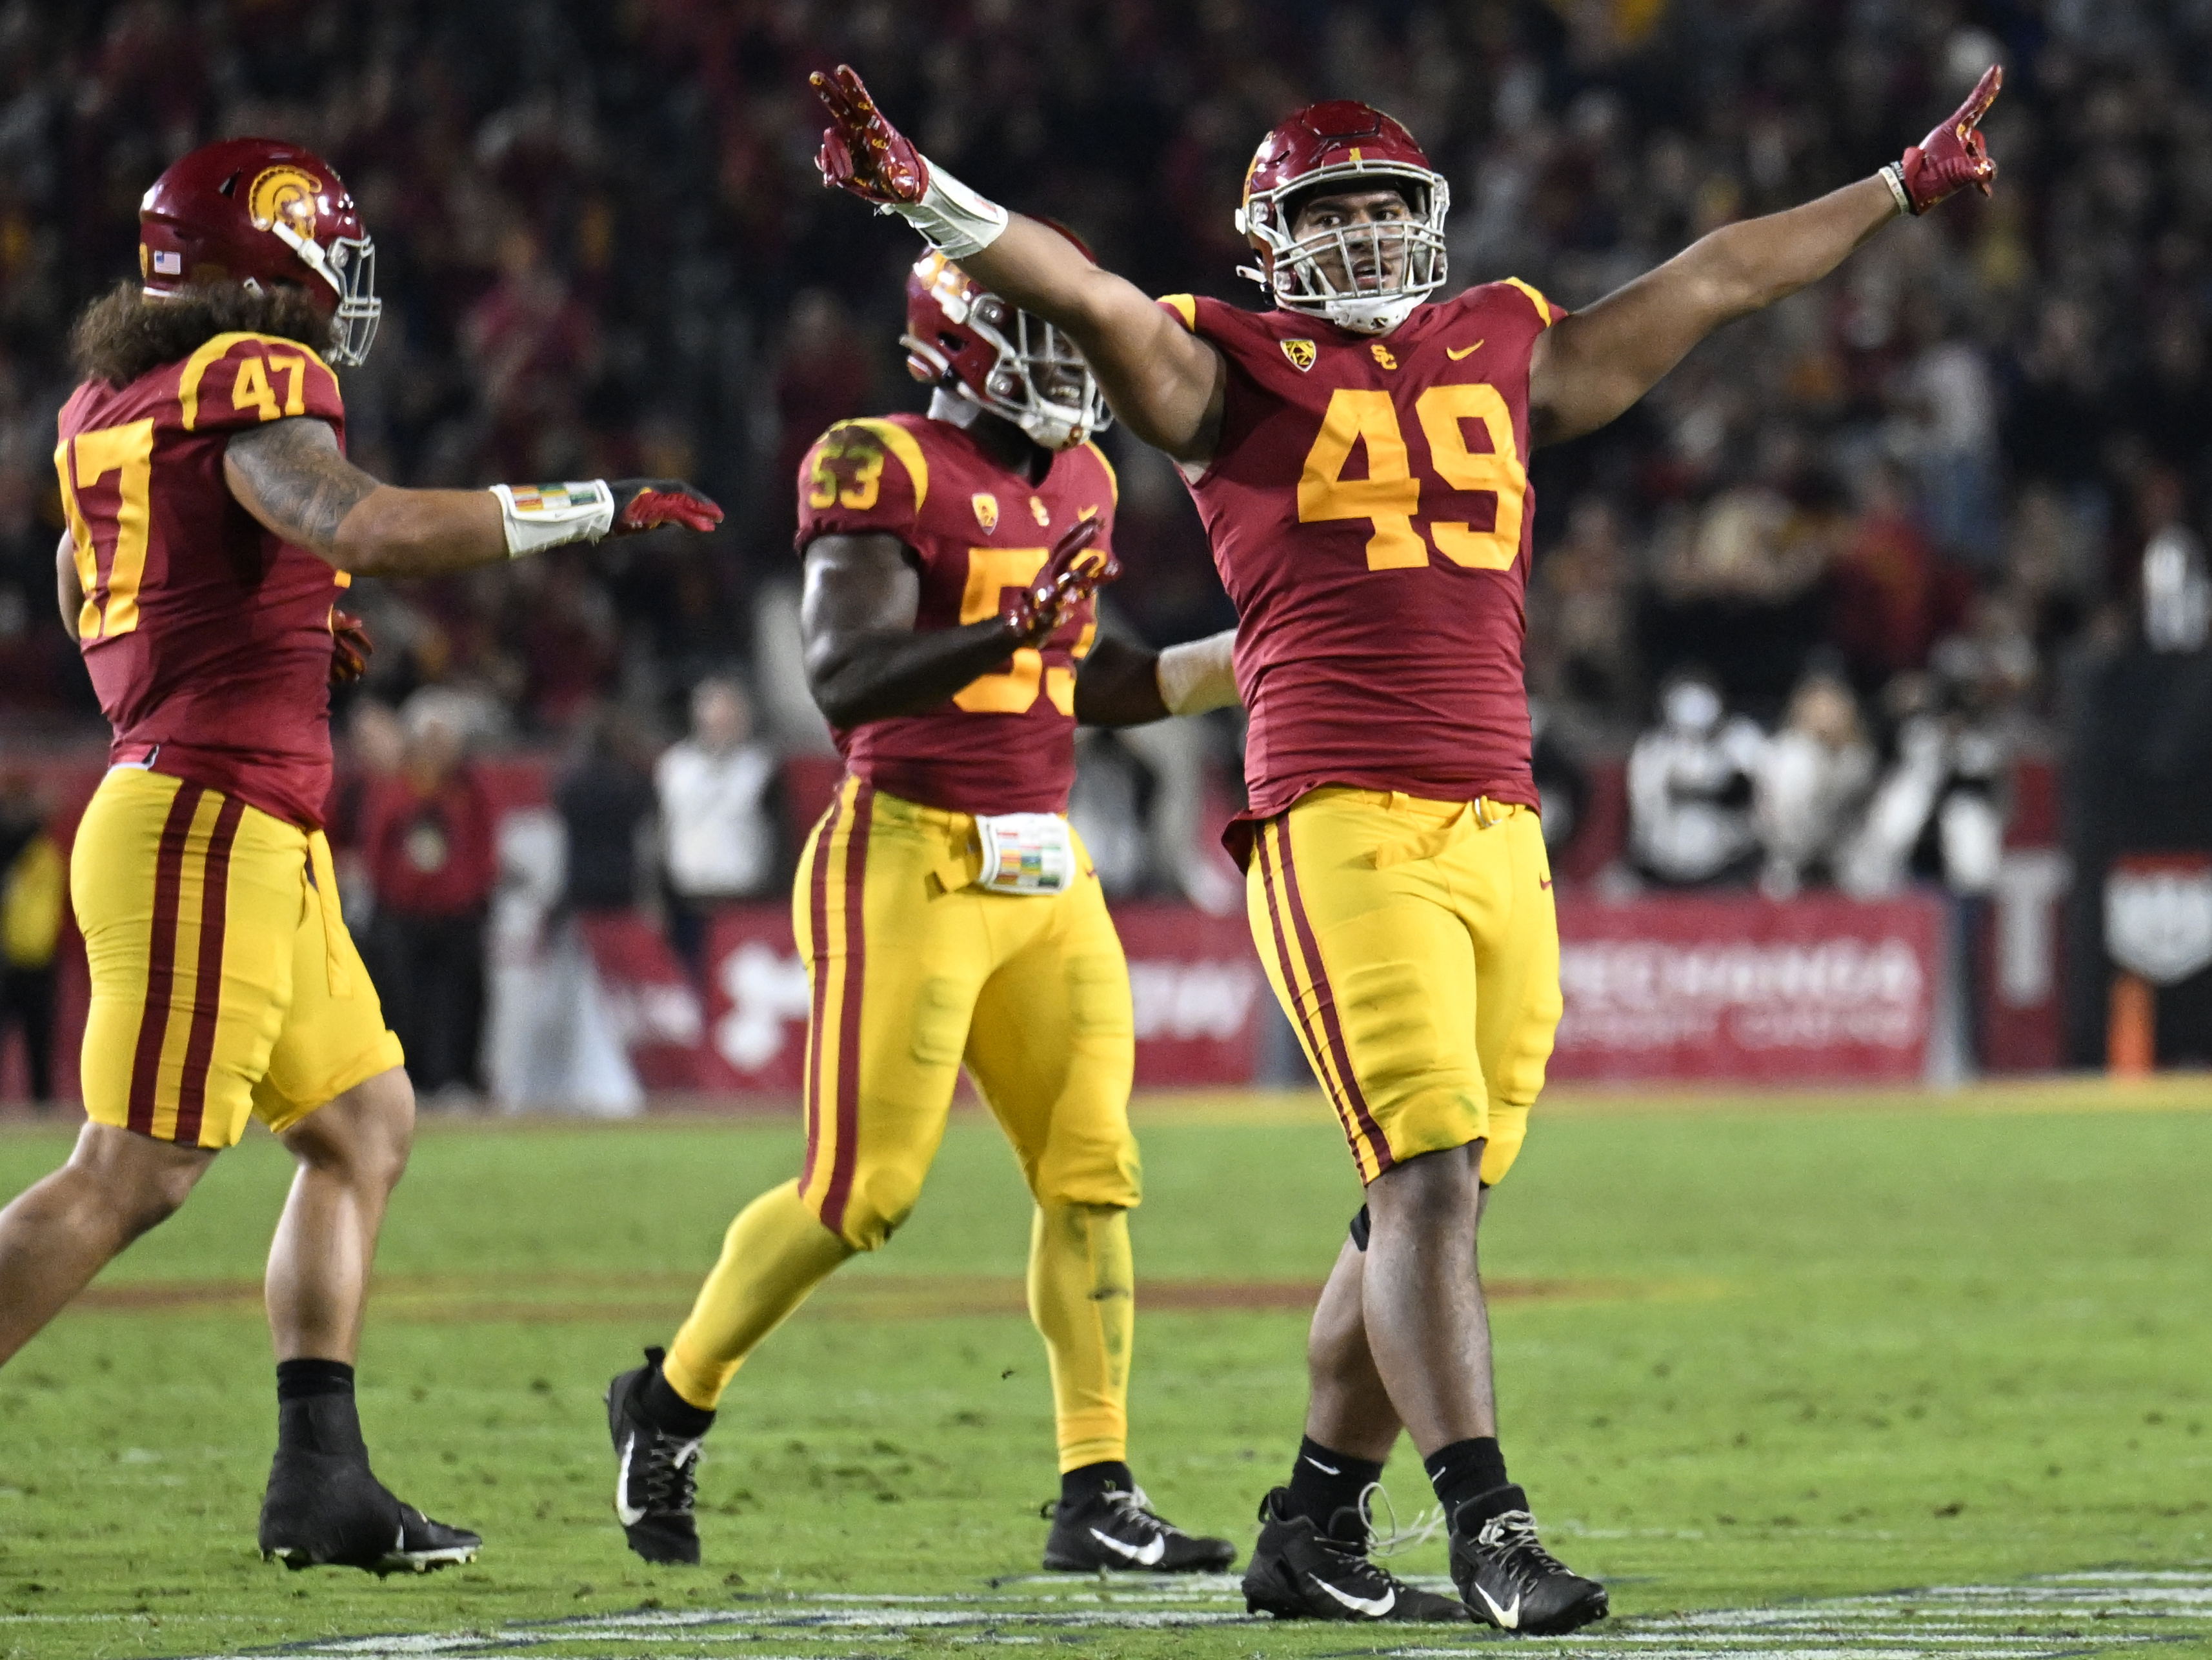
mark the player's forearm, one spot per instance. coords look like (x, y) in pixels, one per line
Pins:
(878, 675)
(68, 591)
(1589, 367)
(1125, 685)
(391, 532)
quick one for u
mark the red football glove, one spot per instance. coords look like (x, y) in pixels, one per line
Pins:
(1955, 155)
(1071, 575)
(350, 647)
(860, 151)
(646, 504)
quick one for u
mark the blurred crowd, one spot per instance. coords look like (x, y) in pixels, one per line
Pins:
(1852, 546)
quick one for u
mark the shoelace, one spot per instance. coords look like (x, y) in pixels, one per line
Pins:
(1425, 1525)
(672, 1473)
(1366, 1576)
(1513, 1534)
(1135, 1509)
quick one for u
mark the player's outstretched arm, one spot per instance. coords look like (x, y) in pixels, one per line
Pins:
(1122, 684)
(1589, 367)
(291, 476)
(1163, 382)
(856, 614)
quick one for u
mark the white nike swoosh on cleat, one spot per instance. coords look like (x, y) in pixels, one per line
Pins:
(1508, 1619)
(628, 1516)
(1326, 1470)
(1374, 1608)
(1144, 1555)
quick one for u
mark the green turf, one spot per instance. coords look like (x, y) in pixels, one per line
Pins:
(1813, 1352)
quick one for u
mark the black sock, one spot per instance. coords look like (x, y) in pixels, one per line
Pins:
(296, 1380)
(1325, 1489)
(1089, 1480)
(1464, 1470)
(315, 1409)
(670, 1413)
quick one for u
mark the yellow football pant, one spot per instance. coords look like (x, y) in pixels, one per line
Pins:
(1414, 946)
(913, 973)
(224, 984)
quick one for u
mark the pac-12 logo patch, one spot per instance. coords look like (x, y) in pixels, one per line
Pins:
(1301, 354)
(284, 195)
(986, 509)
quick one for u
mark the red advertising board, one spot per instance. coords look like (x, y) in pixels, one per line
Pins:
(1197, 985)
(1734, 986)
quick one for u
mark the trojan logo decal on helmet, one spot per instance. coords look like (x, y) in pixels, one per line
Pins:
(257, 211)
(997, 355)
(284, 196)
(1366, 278)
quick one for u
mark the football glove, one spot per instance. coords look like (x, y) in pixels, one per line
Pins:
(861, 152)
(646, 504)
(350, 647)
(1072, 575)
(1953, 157)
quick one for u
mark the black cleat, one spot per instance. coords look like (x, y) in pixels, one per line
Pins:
(1116, 1529)
(1511, 1581)
(656, 1476)
(326, 1510)
(1299, 1572)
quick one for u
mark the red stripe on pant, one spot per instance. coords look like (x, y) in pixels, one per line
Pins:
(207, 991)
(160, 956)
(1325, 1007)
(849, 1020)
(1289, 965)
(818, 908)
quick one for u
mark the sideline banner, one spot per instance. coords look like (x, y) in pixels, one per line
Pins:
(1737, 987)
(1197, 986)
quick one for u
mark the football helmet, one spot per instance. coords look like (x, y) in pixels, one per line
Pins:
(257, 211)
(998, 356)
(1352, 147)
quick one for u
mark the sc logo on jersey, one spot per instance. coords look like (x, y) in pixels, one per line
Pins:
(285, 195)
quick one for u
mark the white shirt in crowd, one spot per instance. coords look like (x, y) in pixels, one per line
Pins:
(715, 835)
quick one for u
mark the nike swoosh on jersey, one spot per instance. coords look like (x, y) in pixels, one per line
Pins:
(629, 1515)
(1144, 1555)
(1374, 1608)
(1468, 351)
(1509, 1618)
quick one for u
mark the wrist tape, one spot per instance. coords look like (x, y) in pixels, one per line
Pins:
(542, 516)
(1893, 176)
(952, 218)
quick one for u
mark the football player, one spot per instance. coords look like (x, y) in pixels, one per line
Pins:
(946, 911)
(213, 521)
(1360, 460)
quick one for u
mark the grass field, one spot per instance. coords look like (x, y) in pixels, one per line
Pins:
(1783, 1355)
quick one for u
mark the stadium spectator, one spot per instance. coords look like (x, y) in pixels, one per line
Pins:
(606, 804)
(1689, 788)
(33, 889)
(716, 789)
(1811, 780)
(427, 843)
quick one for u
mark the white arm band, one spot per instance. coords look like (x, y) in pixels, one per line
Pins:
(542, 516)
(952, 218)
(1199, 676)
(1893, 176)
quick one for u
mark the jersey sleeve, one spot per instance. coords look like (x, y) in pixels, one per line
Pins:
(242, 380)
(862, 477)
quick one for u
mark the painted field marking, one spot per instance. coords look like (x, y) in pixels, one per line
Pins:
(2105, 1612)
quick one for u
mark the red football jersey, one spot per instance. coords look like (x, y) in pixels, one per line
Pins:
(1369, 509)
(1004, 742)
(208, 637)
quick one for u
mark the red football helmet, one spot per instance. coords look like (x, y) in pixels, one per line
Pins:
(256, 211)
(998, 355)
(1351, 146)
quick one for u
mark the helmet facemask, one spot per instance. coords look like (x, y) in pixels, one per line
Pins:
(1040, 381)
(349, 265)
(1297, 269)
